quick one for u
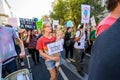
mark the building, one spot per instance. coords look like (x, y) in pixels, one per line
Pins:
(5, 11)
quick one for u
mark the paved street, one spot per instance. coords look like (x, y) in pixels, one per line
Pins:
(67, 70)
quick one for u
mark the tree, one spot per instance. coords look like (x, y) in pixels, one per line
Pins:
(71, 10)
(96, 8)
(58, 10)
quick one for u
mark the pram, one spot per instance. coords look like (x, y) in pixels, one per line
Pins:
(15, 75)
(25, 73)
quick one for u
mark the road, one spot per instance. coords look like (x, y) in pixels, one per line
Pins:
(67, 70)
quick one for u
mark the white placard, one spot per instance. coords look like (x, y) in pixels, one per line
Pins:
(55, 47)
(85, 13)
(13, 22)
(55, 22)
(93, 23)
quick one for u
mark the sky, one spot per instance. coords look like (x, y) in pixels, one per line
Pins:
(31, 8)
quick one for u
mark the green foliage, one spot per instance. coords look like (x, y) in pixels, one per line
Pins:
(71, 10)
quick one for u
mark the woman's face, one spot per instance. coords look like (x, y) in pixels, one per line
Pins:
(70, 30)
(48, 28)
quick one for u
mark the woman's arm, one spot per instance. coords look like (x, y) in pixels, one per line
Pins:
(45, 56)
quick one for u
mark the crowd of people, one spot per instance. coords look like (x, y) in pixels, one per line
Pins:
(36, 43)
(101, 42)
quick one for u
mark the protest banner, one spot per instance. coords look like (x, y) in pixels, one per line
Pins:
(85, 13)
(28, 24)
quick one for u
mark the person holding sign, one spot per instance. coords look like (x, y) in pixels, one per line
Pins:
(79, 47)
(50, 58)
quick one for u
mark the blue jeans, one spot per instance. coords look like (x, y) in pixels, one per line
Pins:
(9, 68)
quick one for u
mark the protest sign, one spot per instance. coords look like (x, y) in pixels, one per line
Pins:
(55, 47)
(85, 13)
(39, 24)
(13, 22)
(27, 23)
(55, 24)
(69, 23)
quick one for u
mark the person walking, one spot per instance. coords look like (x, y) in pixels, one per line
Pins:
(32, 41)
(104, 63)
(113, 7)
(79, 47)
(68, 45)
(51, 61)
(7, 51)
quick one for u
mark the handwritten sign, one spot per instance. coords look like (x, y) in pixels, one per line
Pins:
(55, 47)
(85, 13)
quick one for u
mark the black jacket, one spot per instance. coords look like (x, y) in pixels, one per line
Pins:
(105, 58)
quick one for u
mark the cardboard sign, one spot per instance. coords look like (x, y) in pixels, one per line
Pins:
(55, 47)
(85, 13)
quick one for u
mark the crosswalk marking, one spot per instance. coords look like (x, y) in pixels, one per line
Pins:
(63, 74)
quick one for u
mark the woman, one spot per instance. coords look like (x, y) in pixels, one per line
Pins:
(32, 41)
(68, 45)
(50, 60)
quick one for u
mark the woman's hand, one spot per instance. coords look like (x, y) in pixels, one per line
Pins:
(57, 59)
(29, 33)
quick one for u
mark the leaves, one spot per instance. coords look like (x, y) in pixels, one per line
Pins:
(71, 10)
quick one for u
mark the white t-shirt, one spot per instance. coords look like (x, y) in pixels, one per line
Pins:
(82, 41)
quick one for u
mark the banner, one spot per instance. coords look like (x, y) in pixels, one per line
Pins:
(55, 47)
(13, 22)
(85, 13)
(27, 23)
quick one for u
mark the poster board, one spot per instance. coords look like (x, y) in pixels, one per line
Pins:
(28, 24)
(13, 22)
(55, 47)
(55, 24)
(85, 13)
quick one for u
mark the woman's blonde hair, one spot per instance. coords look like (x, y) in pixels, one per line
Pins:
(44, 26)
